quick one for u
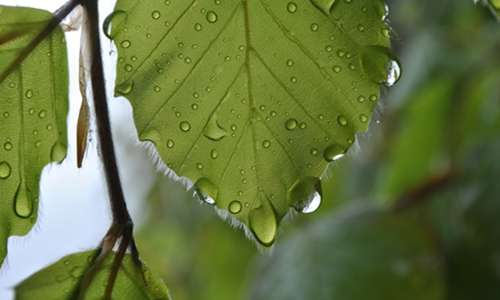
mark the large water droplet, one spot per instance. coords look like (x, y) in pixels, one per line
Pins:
(291, 124)
(324, 5)
(263, 223)
(29, 94)
(309, 205)
(380, 65)
(125, 44)
(206, 190)
(291, 7)
(185, 126)
(333, 152)
(117, 17)
(212, 17)
(155, 15)
(266, 144)
(5, 170)
(342, 120)
(214, 154)
(234, 207)
(7, 146)
(124, 88)
(23, 205)
(213, 130)
(58, 152)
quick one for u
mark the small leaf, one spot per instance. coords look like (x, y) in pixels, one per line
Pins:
(61, 280)
(33, 111)
(252, 99)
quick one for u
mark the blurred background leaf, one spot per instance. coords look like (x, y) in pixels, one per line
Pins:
(441, 118)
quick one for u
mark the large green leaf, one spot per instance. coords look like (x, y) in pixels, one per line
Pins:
(33, 110)
(62, 279)
(251, 100)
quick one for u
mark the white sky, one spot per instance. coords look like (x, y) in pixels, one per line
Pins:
(74, 212)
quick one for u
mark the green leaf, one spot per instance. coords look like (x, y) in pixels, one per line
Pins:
(251, 100)
(357, 253)
(61, 280)
(33, 110)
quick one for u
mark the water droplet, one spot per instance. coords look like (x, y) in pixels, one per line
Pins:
(170, 143)
(77, 272)
(197, 27)
(199, 166)
(234, 127)
(302, 125)
(206, 190)
(328, 48)
(361, 99)
(293, 79)
(12, 85)
(194, 106)
(340, 53)
(273, 113)
(333, 152)
(263, 223)
(262, 107)
(373, 98)
(115, 17)
(291, 124)
(291, 7)
(5, 170)
(214, 154)
(155, 15)
(314, 27)
(42, 114)
(320, 117)
(309, 205)
(7, 146)
(313, 151)
(157, 89)
(342, 120)
(212, 17)
(363, 118)
(38, 144)
(124, 88)
(266, 144)
(351, 66)
(6, 114)
(125, 44)
(380, 65)
(31, 111)
(185, 126)
(23, 205)
(384, 32)
(58, 152)
(235, 207)
(29, 93)
(49, 127)
(289, 62)
(361, 28)
(133, 58)
(336, 69)
(128, 68)
(213, 130)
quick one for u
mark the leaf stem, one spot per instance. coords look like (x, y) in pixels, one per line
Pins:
(58, 16)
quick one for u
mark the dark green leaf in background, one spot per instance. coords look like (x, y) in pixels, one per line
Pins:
(251, 100)
(33, 110)
(356, 253)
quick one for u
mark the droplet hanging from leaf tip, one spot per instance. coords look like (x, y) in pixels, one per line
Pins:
(263, 223)
(23, 205)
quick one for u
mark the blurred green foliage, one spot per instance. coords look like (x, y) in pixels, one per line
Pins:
(433, 150)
